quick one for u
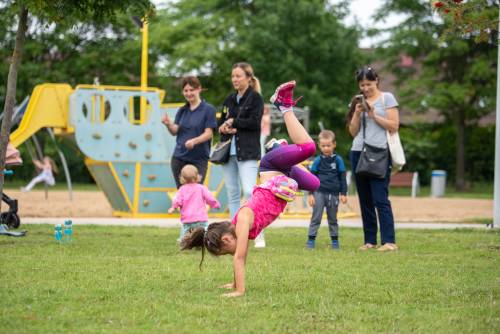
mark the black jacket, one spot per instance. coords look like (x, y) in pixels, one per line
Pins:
(246, 121)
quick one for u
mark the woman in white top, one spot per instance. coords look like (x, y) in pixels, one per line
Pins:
(381, 115)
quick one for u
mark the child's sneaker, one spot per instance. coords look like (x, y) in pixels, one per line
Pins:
(335, 244)
(260, 241)
(310, 243)
(274, 143)
(283, 96)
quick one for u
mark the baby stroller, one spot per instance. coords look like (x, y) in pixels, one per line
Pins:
(10, 219)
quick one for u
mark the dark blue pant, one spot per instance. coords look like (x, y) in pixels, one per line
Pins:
(373, 197)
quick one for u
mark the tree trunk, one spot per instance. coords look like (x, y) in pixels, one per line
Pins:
(11, 91)
(460, 158)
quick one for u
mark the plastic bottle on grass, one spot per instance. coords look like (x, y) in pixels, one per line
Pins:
(68, 231)
(58, 232)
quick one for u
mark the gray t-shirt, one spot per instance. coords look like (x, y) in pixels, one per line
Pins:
(375, 135)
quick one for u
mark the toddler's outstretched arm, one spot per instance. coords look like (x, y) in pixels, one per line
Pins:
(210, 199)
(177, 201)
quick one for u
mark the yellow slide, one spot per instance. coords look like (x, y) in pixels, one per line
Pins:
(47, 107)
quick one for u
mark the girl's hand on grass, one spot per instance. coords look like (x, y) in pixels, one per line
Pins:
(228, 286)
(233, 294)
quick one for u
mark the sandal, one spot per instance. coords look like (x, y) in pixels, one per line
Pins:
(388, 247)
(366, 246)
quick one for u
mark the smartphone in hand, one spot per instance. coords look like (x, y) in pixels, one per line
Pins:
(362, 100)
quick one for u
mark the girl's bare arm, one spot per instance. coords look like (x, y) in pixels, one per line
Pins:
(245, 221)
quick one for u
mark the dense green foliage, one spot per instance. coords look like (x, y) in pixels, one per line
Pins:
(134, 280)
(301, 40)
(56, 32)
(319, 52)
(424, 147)
(477, 19)
(455, 77)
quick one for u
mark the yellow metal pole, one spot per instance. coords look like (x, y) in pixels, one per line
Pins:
(144, 67)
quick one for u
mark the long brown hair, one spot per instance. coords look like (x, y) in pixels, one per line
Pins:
(211, 239)
(247, 68)
(352, 108)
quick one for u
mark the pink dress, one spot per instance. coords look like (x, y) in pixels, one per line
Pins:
(266, 208)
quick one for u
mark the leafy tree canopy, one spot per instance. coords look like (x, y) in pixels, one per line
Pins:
(301, 40)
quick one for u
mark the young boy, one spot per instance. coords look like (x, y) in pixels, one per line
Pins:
(330, 169)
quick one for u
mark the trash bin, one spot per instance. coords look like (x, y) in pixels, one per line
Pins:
(438, 183)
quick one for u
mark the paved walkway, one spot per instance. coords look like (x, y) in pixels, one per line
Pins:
(277, 224)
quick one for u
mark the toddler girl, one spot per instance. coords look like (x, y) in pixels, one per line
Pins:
(192, 199)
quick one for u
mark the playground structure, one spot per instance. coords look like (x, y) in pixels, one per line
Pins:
(127, 148)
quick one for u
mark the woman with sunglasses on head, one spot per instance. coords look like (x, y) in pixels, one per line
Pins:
(378, 112)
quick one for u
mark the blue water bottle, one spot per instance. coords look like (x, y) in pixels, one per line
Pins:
(68, 231)
(58, 232)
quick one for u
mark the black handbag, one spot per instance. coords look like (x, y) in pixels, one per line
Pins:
(220, 152)
(373, 161)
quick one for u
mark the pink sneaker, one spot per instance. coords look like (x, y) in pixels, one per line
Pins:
(283, 96)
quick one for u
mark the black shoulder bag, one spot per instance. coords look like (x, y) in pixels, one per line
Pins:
(373, 160)
(220, 152)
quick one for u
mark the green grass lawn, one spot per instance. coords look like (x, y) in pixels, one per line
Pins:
(134, 280)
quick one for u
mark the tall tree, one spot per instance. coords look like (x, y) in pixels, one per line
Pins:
(58, 12)
(457, 76)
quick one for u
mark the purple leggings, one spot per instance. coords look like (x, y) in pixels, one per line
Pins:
(284, 158)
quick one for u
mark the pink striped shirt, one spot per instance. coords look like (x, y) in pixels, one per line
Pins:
(192, 198)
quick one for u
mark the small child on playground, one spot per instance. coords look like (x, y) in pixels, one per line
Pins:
(47, 167)
(192, 199)
(330, 169)
(281, 177)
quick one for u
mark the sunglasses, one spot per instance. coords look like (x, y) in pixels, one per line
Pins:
(364, 70)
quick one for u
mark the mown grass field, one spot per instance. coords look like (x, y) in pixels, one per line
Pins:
(134, 280)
